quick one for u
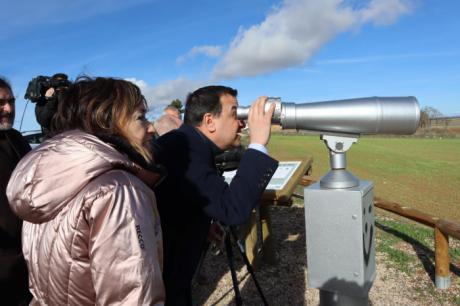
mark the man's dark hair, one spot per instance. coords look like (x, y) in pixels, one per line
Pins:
(5, 84)
(205, 100)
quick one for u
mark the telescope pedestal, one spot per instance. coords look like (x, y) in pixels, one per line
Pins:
(339, 220)
(338, 179)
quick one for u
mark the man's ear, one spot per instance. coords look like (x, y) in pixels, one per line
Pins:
(208, 123)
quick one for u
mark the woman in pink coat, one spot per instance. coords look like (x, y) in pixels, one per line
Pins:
(91, 232)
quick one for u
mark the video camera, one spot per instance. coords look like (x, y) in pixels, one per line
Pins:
(38, 86)
(229, 160)
(46, 106)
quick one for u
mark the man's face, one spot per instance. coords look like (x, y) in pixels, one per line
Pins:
(228, 126)
(6, 109)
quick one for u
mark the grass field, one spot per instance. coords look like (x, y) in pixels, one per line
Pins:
(415, 172)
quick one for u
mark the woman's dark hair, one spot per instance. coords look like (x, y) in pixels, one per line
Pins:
(99, 106)
(205, 100)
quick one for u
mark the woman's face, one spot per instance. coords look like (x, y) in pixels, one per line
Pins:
(139, 130)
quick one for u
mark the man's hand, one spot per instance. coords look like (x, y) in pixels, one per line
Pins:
(259, 121)
(50, 92)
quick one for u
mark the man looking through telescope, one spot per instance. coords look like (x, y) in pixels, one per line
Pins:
(194, 192)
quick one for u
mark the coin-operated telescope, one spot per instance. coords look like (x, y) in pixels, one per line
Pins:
(339, 210)
(367, 116)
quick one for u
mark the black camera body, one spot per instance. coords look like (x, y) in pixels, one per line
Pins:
(46, 107)
(38, 86)
(230, 159)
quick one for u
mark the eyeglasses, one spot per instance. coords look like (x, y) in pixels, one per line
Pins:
(9, 101)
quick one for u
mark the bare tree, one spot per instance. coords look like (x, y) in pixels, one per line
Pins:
(427, 113)
(432, 112)
(424, 119)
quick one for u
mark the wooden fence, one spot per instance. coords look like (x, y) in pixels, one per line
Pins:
(442, 230)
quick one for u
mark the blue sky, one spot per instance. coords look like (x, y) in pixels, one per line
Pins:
(299, 50)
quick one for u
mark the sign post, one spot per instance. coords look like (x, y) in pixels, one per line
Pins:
(278, 192)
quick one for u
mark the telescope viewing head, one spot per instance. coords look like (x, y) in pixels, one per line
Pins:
(361, 116)
(340, 124)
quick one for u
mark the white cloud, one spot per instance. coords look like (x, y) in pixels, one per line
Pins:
(163, 93)
(140, 83)
(297, 29)
(287, 37)
(384, 12)
(211, 51)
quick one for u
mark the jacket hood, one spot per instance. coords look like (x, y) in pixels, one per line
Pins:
(47, 178)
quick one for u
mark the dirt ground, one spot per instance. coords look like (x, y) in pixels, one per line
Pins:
(286, 282)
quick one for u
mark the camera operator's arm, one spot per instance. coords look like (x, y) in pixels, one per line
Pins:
(45, 109)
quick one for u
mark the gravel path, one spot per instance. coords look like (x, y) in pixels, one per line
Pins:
(285, 283)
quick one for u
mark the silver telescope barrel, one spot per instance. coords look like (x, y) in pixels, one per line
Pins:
(368, 116)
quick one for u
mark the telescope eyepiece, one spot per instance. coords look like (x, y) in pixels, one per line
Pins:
(242, 112)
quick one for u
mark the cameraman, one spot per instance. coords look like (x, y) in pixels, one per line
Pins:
(47, 92)
(14, 289)
(194, 192)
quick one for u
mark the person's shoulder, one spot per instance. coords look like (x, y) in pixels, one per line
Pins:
(175, 145)
(15, 133)
(18, 140)
(175, 137)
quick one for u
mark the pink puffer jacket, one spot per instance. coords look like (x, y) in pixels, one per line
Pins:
(92, 232)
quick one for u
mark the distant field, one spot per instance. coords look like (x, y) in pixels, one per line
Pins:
(420, 173)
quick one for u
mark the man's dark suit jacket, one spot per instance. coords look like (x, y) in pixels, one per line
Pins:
(14, 286)
(193, 193)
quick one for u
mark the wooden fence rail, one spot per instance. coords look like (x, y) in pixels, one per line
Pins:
(442, 230)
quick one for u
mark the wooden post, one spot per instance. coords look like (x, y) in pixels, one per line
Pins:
(268, 250)
(251, 238)
(442, 272)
